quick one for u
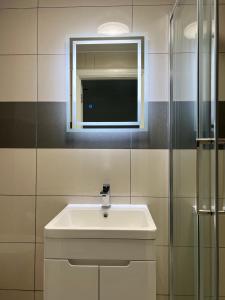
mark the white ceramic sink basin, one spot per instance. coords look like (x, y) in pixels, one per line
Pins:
(91, 221)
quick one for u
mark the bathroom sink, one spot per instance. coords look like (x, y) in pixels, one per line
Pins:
(91, 221)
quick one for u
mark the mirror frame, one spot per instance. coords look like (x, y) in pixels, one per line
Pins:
(72, 123)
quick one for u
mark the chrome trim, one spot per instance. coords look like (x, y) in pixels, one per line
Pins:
(204, 212)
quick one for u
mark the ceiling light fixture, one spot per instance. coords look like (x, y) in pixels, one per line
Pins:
(190, 31)
(113, 28)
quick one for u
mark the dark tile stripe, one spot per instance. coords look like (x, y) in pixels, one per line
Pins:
(184, 131)
(52, 131)
(157, 135)
(18, 128)
(18, 124)
(221, 116)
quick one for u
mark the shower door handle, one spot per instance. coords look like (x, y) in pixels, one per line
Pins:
(204, 141)
(199, 143)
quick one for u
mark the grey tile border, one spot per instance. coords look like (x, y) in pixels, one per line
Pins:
(18, 124)
(156, 136)
(184, 131)
(43, 125)
(52, 132)
(221, 117)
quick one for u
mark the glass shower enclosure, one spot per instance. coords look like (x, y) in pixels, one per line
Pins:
(195, 152)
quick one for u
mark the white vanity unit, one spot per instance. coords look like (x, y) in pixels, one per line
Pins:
(100, 254)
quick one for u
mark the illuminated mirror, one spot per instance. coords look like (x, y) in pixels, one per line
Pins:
(106, 83)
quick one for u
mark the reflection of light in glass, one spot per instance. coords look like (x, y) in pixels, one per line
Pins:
(113, 28)
(190, 31)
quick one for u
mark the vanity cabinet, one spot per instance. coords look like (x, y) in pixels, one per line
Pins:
(107, 280)
(93, 255)
(64, 281)
(132, 282)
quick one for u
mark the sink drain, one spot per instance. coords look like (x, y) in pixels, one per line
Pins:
(105, 215)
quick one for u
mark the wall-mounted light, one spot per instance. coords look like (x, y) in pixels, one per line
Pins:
(113, 28)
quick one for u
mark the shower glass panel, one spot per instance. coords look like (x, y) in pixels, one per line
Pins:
(193, 151)
(183, 112)
(207, 153)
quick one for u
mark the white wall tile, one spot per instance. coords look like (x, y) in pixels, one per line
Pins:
(162, 297)
(17, 219)
(149, 173)
(185, 70)
(49, 206)
(17, 172)
(16, 295)
(183, 214)
(18, 78)
(18, 31)
(39, 267)
(184, 270)
(39, 295)
(159, 209)
(52, 78)
(18, 3)
(222, 271)
(157, 85)
(185, 172)
(186, 15)
(154, 22)
(184, 297)
(17, 265)
(162, 270)
(69, 3)
(222, 230)
(83, 171)
(189, 2)
(57, 23)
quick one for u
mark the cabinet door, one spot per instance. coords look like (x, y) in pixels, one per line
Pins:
(135, 281)
(64, 281)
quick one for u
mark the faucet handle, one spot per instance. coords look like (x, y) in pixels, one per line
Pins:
(105, 189)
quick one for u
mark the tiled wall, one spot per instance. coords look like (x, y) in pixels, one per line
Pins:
(42, 167)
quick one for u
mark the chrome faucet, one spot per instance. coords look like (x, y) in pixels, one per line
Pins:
(105, 194)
